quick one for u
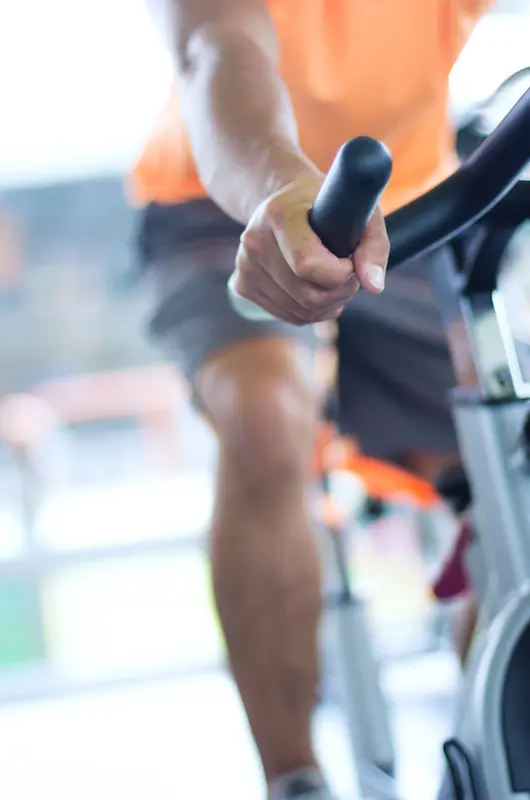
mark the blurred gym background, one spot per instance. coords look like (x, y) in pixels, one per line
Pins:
(111, 663)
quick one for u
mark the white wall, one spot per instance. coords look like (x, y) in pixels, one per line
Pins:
(81, 80)
(498, 48)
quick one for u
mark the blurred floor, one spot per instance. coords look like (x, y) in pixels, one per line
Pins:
(188, 739)
(181, 739)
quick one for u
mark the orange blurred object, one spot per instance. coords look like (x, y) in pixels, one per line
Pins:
(25, 420)
(382, 480)
(329, 514)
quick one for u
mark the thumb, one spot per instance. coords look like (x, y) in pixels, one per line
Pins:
(371, 256)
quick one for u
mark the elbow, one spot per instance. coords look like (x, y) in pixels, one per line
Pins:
(218, 41)
(178, 41)
(189, 45)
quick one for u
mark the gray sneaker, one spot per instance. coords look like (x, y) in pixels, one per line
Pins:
(301, 786)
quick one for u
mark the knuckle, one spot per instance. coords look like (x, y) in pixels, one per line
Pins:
(301, 267)
(309, 299)
(343, 281)
(251, 241)
(242, 259)
(246, 266)
(275, 210)
(353, 289)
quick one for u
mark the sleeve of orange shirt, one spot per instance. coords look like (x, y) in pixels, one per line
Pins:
(477, 7)
(464, 16)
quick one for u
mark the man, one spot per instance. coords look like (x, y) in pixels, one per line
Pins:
(266, 92)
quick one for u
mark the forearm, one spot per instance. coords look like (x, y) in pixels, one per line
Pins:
(240, 121)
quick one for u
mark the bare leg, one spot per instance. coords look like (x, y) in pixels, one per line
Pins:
(260, 398)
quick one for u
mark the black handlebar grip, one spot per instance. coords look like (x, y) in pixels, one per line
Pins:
(350, 194)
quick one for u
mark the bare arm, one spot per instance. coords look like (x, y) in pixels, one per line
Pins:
(244, 139)
(237, 110)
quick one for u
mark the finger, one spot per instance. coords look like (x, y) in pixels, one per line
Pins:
(303, 251)
(371, 257)
(324, 315)
(253, 283)
(297, 313)
(246, 308)
(284, 315)
(310, 296)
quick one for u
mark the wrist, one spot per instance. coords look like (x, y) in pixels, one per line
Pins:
(267, 171)
(287, 165)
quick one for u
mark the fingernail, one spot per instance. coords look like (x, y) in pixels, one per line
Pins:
(376, 276)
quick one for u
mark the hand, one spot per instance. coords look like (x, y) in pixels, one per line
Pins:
(283, 267)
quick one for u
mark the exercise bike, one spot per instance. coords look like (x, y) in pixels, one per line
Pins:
(489, 756)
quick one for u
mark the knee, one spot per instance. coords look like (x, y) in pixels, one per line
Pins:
(269, 431)
(265, 414)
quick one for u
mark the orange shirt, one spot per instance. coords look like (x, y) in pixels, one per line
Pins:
(352, 67)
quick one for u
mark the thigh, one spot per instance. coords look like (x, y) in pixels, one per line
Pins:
(190, 253)
(395, 371)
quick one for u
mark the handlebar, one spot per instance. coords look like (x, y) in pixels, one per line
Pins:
(350, 194)
(466, 196)
(362, 170)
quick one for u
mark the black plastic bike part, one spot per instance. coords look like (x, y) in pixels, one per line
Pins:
(525, 438)
(453, 485)
(350, 194)
(344, 594)
(515, 711)
(481, 268)
(374, 508)
(468, 194)
(345, 590)
(331, 408)
(463, 784)
(512, 210)
(473, 130)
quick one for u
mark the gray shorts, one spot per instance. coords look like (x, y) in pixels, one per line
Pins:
(394, 370)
